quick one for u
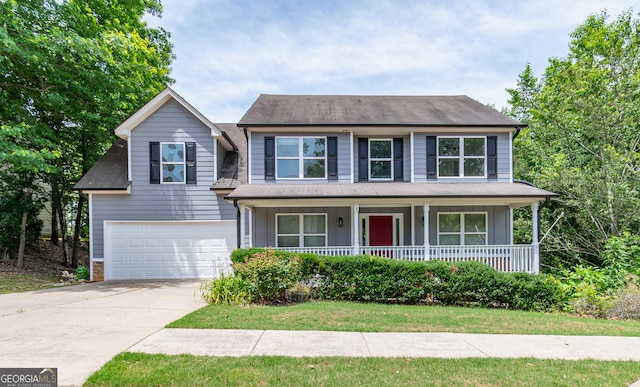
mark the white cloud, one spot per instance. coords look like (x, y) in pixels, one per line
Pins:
(228, 52)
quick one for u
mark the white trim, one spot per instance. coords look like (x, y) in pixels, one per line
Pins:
(352, 157)
(249, 151)
(462, 231)
(215, 160)
(389, 159)
(413, 225)
(301, 158)
(412, 152)
(129, 166)
(461, 157)
(511, 225)
(355, 219)
(184, 162)
(301, 233)
(250, 212)
(397, 232)
(243, 219)
(90, 214)
(510, 157)
(108, 192)
(425, 214)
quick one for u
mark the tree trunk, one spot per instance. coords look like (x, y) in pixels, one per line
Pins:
(63, 231)
(76, 233)
(23, 239)
(54, 219)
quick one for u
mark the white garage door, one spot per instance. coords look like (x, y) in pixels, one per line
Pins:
(159, 250)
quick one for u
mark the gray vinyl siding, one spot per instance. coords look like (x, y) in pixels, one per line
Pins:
(257, 158)
(498, 222)
(164, 202)
(221, 155)
(420, 157)
(406, 156)
(264, 224)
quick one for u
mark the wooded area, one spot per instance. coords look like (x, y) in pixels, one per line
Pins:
(72, 70)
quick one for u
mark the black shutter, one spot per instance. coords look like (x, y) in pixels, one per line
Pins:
(492, 157)
(332, 158)
(398, 166)
(363, 159)
(432, 158)
(154, 163)
(270, 158)
(191, 162)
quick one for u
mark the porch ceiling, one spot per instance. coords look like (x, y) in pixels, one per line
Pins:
(512, 194)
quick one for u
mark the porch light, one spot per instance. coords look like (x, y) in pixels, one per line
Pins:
(340, 222)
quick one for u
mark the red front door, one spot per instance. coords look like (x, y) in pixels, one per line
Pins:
(380, 230)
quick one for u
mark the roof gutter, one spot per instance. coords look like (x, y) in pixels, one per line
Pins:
(518, 129)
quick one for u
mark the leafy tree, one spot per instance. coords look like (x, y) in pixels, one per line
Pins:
(70, 71)
(583, 140)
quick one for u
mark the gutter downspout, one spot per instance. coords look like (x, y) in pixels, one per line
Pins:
(238, 219)
(518, 129)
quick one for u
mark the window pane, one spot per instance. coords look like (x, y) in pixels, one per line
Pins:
(288, 241)
(380, 149)
(474, 146)
(448, 147)
(314, 168)
(314, 241)
(288, 147)
(474, 223)
(381, 169)
(173, 153)
(173, 173)
(314, 224)
(313, 147)
(475, 239)
(449, 222)
(450, 240)
(288, 169)
(449, 167)
(288, 224)
(474, 167)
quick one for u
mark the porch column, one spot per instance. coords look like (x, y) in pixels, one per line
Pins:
(243, 240)
(250, 244)
(425, 213)
(535, 208)
(355, 211)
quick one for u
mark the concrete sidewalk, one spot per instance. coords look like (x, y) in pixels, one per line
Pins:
(228, 342)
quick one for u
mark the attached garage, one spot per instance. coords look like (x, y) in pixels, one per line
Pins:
(167, 250)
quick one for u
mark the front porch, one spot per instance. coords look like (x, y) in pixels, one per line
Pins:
(505, 258)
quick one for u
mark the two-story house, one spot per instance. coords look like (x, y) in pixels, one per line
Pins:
(419, 177)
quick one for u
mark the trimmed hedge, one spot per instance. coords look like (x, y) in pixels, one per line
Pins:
(374, 279)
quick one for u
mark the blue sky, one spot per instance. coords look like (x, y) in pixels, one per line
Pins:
(230, 51)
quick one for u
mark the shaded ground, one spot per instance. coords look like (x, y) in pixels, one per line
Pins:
(42, 268)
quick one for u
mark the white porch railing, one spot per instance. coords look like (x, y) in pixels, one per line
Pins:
(506, 258)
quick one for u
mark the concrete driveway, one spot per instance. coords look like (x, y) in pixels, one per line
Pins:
(79, 328)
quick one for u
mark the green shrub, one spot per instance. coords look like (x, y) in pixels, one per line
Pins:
(226, 290)
(82, 273)
(373, 279)
(268, 274)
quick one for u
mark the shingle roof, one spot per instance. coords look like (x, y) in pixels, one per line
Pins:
(109, 172)
(346, 110)
(387, 190)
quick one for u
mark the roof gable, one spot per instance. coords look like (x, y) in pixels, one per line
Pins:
(124, 129)
(352, 110)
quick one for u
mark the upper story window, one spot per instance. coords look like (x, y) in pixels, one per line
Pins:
(380, 159)
(461, 156)
(173, 162)
(460, 228)
(301, 230)
(301, 157)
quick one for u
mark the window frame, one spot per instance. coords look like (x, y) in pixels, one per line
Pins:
(301, 158)
(163, 163)
(301, 233)
(462, 233)
(461, 157)
(390, 159)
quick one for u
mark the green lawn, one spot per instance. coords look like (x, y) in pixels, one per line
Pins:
(359, 317)
(135, 369)
(23, 282)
